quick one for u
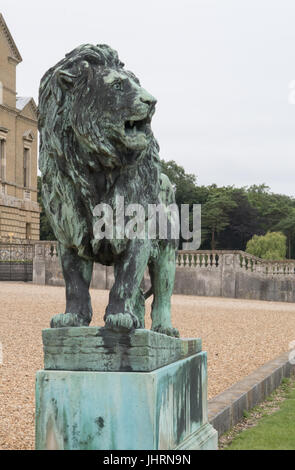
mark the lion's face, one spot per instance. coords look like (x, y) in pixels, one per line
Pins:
(128, 108)
(92, 108)
(116, 110)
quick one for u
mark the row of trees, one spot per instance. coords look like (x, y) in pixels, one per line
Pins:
(230, 216)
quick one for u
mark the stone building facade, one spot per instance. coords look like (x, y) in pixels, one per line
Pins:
(19, 209)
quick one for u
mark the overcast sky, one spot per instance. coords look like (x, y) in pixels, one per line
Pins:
(220, 70)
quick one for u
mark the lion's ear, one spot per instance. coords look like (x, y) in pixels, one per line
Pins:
(66, 78)
(62, 82)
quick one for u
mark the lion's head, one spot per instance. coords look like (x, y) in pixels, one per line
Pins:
(92, 94)
(95, 139)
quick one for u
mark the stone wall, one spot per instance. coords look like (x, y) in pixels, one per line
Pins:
(234, 274)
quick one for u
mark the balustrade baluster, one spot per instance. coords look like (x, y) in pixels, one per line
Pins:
(54, 251)
(243, 263)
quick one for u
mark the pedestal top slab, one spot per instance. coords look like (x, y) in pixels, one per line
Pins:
(100, 349)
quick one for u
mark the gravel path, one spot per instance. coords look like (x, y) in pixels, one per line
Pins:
(239, 336)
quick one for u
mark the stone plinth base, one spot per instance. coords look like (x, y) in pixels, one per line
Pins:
(159, 409)
(163, 409)
(99, 349)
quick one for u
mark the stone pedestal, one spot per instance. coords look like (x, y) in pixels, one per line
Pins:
(141, 390)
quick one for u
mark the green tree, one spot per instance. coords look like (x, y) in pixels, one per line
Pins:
(185, 184)
(287, 225)
(271, 246)
(244, 222)
(215, 213)
(271, 207)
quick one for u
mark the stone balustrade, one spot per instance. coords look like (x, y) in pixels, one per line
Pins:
(220, 273)
(198, 259)
(215, 259)
(46, 250)
(201, 259)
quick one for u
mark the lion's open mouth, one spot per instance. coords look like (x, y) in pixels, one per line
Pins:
(132, 127)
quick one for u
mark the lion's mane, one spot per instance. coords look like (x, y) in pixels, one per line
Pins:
(74, 178)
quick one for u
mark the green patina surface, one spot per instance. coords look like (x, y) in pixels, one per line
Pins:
(96, 144)
(101, 349)
(162, 409)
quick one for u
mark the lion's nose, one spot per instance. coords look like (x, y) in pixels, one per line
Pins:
(147, 98)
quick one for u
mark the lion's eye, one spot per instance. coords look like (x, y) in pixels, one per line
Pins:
(117, 85)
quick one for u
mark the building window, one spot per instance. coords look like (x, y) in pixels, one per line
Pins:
(28, 231)
(1, 93)
(27, 167)
(2, 159)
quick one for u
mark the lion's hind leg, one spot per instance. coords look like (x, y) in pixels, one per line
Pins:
(162, 273)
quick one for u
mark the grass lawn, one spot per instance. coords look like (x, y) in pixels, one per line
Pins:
(272, 432)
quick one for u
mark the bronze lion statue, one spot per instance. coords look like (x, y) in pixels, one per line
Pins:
(96, 144)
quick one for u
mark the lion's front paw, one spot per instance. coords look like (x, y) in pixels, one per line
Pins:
(64, 320)
(169, 331)
(122, 321)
